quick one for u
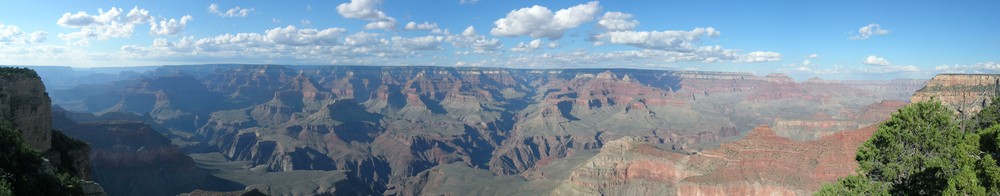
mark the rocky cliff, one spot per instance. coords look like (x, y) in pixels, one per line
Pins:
(25, 105)
(965, 93)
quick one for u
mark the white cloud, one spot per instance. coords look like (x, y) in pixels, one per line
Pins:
(478, 43)
(232, 12)
(115, 23)
(300, 37)
(813, 56)
(758, 56)
(806, 62)
(538, 21)
(469, 31)
(617, 21)
(169, 27)
(364, 39)
(421, 26)
(530, 46)
(12, 34)
(659, 40)
(80, 19)
(367, 10)
(883, 66)
(892, 68)
(306, 22)
(869, 30)
(874, 60)
(290, 45)
(987, 67)
(387, 25)
(468, 1)
(419, 43)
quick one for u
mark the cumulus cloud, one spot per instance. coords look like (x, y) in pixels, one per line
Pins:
(115, 23)
(104, 25)
(291, 35)
(883, 66)
(617, 21)
(530, 46)
(419, 43)
(807, 61)
(363, 39)
(381, 25)
(869, 30)
(986, 67)
(758, 56)
(681, 45)
(468, 1)
(533, 45)
(874, 60)
(479, 44)
(469, 31)
(290, 44)
(231, 12)
(659, 40)
(169, 26)
(421, 26)
(538, 21)
(367, 10)
(12, 34)
(38, 37)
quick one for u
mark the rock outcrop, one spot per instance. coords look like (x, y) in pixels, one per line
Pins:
(965, 93)
(26, 105)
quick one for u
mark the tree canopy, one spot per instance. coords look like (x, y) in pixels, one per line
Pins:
(922, 150)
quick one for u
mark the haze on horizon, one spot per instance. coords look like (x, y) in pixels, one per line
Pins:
(831, 40)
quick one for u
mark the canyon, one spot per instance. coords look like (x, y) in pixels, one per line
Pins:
(35, 157)
(418, 130)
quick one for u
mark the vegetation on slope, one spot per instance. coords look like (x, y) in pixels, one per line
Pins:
(18, 71)
(924, 150)
(23, 171)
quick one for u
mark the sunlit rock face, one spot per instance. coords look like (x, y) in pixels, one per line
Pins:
(387, 126)
(965, 93)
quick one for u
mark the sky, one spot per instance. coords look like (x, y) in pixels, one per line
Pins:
(804, 39)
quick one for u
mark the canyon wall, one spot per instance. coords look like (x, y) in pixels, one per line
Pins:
(387, 126)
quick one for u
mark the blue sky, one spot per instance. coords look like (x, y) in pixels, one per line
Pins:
(831, 39)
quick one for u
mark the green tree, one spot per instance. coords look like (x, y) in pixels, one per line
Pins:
(920, 150)
(854, 185)
(23, 167)
(916, 151)
(988, 116)
(5, 189)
